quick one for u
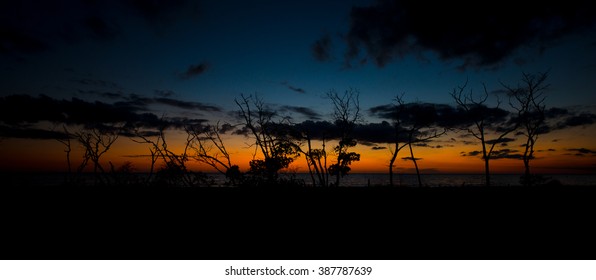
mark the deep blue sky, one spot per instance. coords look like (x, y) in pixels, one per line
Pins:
(181, 58)
(212, 51)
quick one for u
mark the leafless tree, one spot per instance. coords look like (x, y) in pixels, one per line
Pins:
(174, 171)
(416, 135)
(209, 148)
(346, 114)
(66, 141)
(96, 141)
(483, 121)
(413, 123)
(528, 99)
(398, 144)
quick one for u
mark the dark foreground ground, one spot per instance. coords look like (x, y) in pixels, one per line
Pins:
(554, 222)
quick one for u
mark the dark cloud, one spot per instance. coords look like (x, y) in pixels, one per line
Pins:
(379, 148)
(22, 111)
(179, 122)
(376, 133)
(195, 70)
(317, 130)
(471, 154)
(30, 133)
(305, 111)
(29, 26)
(244, 131)
(479, 35)
(321, 48)
(141, 103)
(141, 132)
(506, 153)
(366, 143)
(555, 112)
(293, 88)
(186, 104)
(369, 134)
(226, 127)
(431, 114)
(499, 141)
(411, 158)
(410, 113)
(577, 120)
(32, 26)
(386, 111)
(561, 118)
(496, 154)
(582, 151)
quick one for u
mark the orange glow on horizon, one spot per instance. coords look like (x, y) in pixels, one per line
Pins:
(553, 155)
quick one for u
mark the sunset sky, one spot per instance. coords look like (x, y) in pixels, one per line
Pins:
(190, 59)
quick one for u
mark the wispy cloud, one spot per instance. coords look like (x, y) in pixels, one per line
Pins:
(187, 104)
(321, 48)
(305, 111)
(195, 70)
(582, 151)
(293, 88)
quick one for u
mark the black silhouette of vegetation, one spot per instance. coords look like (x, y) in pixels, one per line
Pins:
(95, 140)
(174, 171)
(483, 121)
(413, 123)
(529, 100)
(209, 148)
(346, 114)
(271, 139)
(316, 158)
(92, 128)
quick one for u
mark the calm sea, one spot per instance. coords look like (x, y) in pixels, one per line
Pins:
(351, 180)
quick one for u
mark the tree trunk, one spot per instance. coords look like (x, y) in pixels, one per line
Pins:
(486, 166)
(415, 164)
(392, 162)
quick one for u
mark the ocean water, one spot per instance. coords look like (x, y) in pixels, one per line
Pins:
(351, 180)
(433, 180)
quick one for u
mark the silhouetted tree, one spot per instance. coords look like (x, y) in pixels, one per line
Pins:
(346, 113)
(316, 158)
(421, 127)
(529, 102)
(398, 139)
(271, 139)
(66, 141)
(210, 149)
(96, 141)
(412, 123)
(174, 170)
(482, 121)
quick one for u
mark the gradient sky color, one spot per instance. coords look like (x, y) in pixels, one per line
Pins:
(291, 53)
